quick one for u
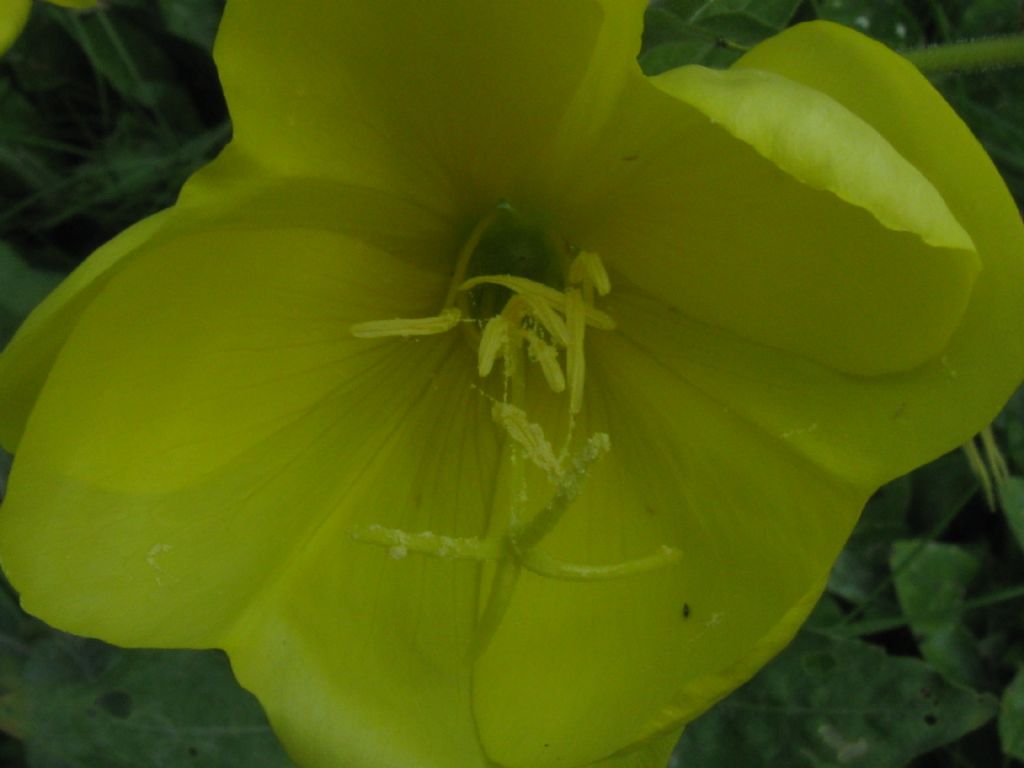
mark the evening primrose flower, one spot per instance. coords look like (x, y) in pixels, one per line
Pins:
(491, 403)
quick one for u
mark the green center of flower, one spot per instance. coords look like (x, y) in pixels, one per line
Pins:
(509, 244)
(522, 298)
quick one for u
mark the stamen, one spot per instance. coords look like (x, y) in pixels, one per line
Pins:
(549, 320)
(404, 327)
(492, 343)
(546, 356)
(546, 293)
(521, 285)
(588, 267)
(574, 362)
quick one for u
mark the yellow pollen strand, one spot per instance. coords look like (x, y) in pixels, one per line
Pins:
(404, 327)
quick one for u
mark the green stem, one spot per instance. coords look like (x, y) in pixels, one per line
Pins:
(969, 56)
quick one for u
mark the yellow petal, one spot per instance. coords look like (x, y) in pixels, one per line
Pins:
(447, 107)
(361, 654)
(870, 430)
(764, 207)
(26, 360)
(983, 361)
(654, 753)
(579, 669)
(189, 384)
(228, 193)
(225, 435)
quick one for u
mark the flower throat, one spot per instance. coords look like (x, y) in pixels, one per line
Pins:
(511, 245)
(520, 294)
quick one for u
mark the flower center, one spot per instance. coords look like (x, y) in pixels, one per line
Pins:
(521, 296)
(517, 288)
(507, 243)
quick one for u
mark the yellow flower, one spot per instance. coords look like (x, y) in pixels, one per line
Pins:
(492, 404)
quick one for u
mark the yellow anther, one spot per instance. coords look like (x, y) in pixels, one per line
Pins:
(492, 342)
(530, 437)
(404, 327)
(546, 356)
(548, 319)
(574, 362)
(588, 267)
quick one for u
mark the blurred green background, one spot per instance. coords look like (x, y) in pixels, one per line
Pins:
(914, 657)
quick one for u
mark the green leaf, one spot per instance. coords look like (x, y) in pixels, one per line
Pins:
(89, 705)
(827, 702)
(192, 20)
(887, 20)
(691, 46)
(1011, 717)
(709, 32)
(746, 22)
(726, 17)
(931, 581)
(122, 53)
